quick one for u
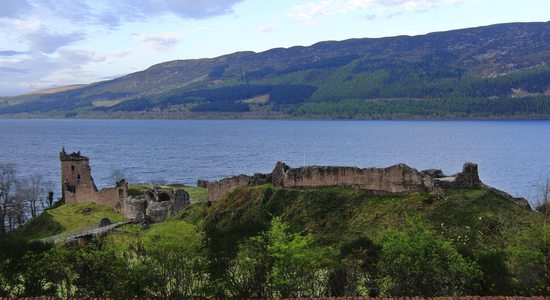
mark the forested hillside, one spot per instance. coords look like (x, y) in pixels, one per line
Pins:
(493, 71)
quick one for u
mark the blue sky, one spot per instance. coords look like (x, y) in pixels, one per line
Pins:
(46, 43)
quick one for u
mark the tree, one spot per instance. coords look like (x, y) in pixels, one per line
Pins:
(248, 270)
(7, 195)
(50, 198)
(298, 268)
(177, 270)
(528, 261)
(419, 263)
(33, 193)
(19, 275)
(543, 205)
(355, 274)
(278, 263)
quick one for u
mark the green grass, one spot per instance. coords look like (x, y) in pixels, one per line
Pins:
(167, 234)
(79, 216)
(135, 190)
(40, 227)
(68, 218)
(180, 227)
(196, 194)
(473, 219)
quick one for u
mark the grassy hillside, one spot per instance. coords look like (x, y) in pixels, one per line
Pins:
(265, 241)
(474, 219)
(181, 228)
(391, 239)
(491, 71)
(68, 218)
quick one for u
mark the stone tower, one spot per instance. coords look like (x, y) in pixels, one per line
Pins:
(76, 178)
(78, 186)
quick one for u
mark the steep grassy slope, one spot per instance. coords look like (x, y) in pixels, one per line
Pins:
(475, 72)
(475, 220)
(183, 227)
(68, 218)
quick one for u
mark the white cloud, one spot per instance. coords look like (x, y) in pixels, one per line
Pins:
(269, 27)
(36, 70)
(160, 42)
(42, 35)
(310, 12)
(49, 42)
(114, 12)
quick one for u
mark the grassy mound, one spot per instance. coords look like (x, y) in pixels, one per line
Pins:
(474, 219)
(181, 227)
(68, 218)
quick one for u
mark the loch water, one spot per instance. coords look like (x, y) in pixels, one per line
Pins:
(512, 155)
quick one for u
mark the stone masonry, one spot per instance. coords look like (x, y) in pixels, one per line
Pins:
(398, 179)
(157, 204)
(78, 186)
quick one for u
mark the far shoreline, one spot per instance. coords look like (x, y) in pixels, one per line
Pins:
(275, 117)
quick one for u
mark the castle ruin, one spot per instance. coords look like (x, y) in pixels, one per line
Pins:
(77, 186)
(399, 179)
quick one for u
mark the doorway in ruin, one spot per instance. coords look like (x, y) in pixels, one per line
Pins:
(164, 197)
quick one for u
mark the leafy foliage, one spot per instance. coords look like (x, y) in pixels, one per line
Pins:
(419, 263)
(408, 108)
(269, 242)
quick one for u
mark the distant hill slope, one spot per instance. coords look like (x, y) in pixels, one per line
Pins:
(493, 71)
(58, 89)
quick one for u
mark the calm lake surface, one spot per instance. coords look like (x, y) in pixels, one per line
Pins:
(512, 155)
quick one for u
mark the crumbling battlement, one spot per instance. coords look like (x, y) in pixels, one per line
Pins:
(398, 179)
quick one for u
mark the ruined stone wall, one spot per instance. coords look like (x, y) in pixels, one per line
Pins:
(218, 189)
(397, 179)
(160, 203)
(156, 205)
(78, 184)
(76, 179)
(114, 197)
(134, 209)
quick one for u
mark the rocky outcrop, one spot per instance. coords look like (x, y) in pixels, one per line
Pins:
(398, 179)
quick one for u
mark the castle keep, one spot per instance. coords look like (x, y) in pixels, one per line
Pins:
(77, 186)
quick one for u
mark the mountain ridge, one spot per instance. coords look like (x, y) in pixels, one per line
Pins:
(475, 63)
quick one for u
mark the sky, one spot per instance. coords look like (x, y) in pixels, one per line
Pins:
(49, 43)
